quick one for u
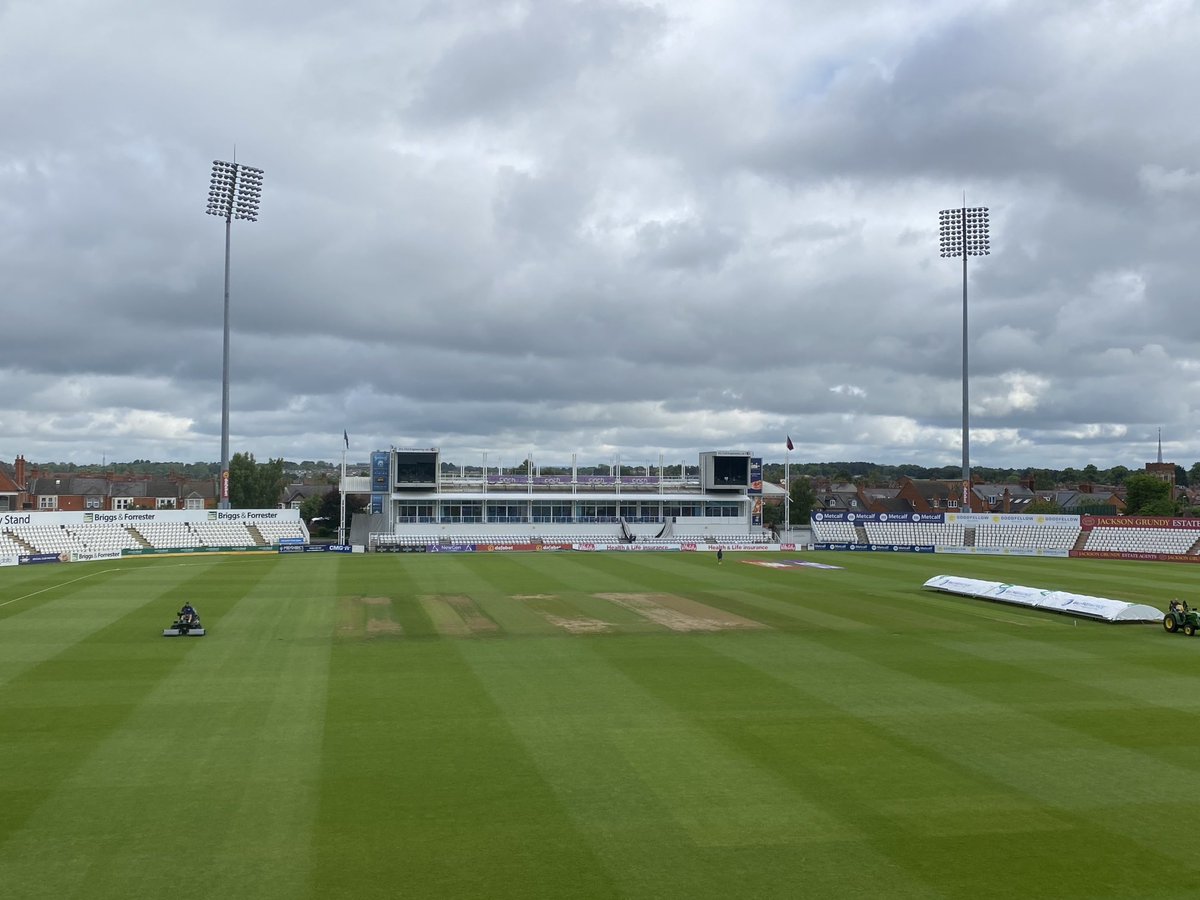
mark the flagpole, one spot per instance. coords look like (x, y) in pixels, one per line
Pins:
(342, 489)
(787, 489)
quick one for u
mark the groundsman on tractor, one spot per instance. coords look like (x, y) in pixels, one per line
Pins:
(1180, 618)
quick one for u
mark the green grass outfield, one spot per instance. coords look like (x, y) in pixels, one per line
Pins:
(491, 726)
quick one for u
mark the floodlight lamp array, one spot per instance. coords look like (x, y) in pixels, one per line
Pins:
(234, 191)
(964, 231)
(249, 193)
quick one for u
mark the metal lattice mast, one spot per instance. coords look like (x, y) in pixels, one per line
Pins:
(233, 193)
(964, 232)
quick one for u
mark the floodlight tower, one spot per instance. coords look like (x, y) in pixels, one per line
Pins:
(964, 232)
(233, 194)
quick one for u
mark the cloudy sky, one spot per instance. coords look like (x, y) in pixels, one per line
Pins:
(602, 227)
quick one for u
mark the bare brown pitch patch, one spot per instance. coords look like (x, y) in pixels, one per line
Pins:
(561, 614)
(681, 613)
(362, 617)
(457, 616)
(578, 626)
(377, 627)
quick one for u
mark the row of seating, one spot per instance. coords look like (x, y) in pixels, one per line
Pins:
(1051, 537)
(834, 532)
(706, 538)
(605, 538)
(48, 539)
(922, 534)
(105, 538)
(994, 535)
(274, 532)
(10, 547)
(96, 537)
(1143, 540)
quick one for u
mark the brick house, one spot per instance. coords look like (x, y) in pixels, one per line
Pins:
(925, 495)
(12, 491)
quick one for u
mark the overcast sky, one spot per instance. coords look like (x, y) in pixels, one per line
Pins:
(601, 227)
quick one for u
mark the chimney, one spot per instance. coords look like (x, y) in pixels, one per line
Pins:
(1007, 501)
(20, 472)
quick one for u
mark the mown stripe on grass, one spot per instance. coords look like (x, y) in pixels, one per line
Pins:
(998, 771)
(490, 581)
(671, 808)
(73, 605)
(69, 698)
(425, 792)
(207, 787)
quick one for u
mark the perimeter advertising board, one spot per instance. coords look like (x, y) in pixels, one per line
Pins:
(889, 548)
(380, 460)
(755, 491)
(1088, 522)
(135, 517)
(972, 519)
(842, 516)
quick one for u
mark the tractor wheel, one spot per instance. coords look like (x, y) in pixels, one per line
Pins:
(1169, 623)
(1189, 629)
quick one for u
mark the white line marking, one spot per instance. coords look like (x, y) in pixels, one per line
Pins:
(1005, 621)
(55, 587)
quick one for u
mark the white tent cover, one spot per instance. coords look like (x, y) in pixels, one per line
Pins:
(1102, 608)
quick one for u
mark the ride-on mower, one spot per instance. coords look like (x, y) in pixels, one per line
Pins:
(187, 624)
(1180, 618)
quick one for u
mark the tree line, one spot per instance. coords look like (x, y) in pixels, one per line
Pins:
(879, 475)
(1145, 495)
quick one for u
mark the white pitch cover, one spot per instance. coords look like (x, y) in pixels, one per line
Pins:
(1102, 608)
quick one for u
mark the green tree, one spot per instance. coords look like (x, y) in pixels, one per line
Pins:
(1043, 507)
(1160, 506)
(310, 508)
(772, 514)
(1146, 495)
(1194, 474)
(1043, 480)
(803, 500)
(254, 485)
(1181, 476)
(329, 509)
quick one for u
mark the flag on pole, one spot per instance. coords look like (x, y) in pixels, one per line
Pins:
(789, 443)
(346, 438)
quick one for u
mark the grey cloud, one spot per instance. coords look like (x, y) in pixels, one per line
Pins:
(575, 226)
(686, 245)
(510, 61)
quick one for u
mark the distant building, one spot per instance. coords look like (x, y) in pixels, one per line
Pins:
(928, 496)
(12, 490)
(294, 495)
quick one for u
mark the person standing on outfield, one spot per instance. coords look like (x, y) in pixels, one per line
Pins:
(720, 554)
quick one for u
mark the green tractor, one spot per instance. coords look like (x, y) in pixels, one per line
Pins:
(1180, 618)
